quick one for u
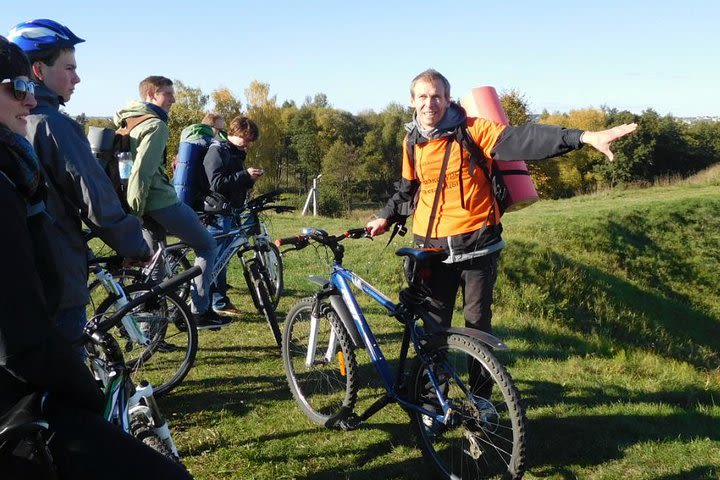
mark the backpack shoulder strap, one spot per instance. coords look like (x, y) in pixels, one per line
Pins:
(129, 123)
(440, 186)
(477, 158)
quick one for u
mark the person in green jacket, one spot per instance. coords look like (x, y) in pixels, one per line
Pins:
(151, 196)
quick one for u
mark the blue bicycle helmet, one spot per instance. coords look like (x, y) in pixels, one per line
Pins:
(41, 35)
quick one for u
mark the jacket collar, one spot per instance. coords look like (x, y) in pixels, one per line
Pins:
(46, 97)
(454, 115)
(162, 114)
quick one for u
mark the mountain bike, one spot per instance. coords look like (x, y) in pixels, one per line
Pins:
(464, 407)
(26, 434)
(159, 337)
(249, 240)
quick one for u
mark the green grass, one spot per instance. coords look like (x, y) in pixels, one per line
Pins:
(609, 303)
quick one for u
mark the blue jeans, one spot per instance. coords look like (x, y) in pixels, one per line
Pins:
(220, 224)
(180, 220)
(70, 323)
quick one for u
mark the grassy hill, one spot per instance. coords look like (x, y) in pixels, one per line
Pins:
(609, 303)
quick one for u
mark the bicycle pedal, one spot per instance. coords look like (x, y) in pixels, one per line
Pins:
(350, 422)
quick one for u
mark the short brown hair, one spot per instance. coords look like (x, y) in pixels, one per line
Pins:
(243, 127)
(48, 57)
(152, 84)
(430, 75)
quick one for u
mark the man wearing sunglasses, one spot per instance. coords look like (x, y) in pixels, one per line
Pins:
(79, 190)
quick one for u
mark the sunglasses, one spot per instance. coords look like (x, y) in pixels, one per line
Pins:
(20, 88)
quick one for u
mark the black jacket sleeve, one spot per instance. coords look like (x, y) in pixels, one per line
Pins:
(533, 141)
(33, 357)
(224, 175)
(402, 204)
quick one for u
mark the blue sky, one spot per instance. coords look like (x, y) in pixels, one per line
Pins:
(629, 55)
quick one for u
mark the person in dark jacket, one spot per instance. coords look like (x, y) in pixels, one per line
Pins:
(33, 356)
(79, 191)
(224, 165)
(467, 223)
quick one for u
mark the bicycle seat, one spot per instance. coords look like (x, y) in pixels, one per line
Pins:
(23, 418)
(423, 255)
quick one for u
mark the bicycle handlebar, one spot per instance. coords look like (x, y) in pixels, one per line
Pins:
(321, 236)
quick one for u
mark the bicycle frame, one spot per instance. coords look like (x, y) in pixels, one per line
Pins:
(123, 398)
(340, 280)
(115, 288)
(408, 312)
(238, 245)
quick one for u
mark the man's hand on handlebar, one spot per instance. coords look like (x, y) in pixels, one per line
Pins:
(377, 226)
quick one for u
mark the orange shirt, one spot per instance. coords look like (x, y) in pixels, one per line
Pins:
(451, 218)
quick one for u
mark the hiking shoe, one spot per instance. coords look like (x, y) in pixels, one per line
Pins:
(210, 320)
(226, 309)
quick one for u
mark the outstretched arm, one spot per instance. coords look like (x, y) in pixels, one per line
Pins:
(601, 140)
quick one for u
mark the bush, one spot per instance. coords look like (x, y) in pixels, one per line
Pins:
(331, 203)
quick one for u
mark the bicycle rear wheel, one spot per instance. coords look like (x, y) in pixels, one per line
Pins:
(169, 324)
(178, 262)
(326, 391)
(484, 436)
(261, 297)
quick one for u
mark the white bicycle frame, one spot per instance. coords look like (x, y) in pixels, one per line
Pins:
(113, 287)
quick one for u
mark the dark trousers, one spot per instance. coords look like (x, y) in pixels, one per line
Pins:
(86, 446)
(477, 278)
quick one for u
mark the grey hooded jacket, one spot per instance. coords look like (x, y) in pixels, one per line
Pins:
(78, 191)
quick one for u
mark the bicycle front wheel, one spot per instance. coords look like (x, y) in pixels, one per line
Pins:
(326, 389)
(271, 270)
(484, 436)
(170, 326)
(261, 297)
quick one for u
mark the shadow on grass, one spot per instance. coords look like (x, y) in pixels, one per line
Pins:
(537, 394)
(355, 465)
(590, 300)
(555, 443)
(706, 472)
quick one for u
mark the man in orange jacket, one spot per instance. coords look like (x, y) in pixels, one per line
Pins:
(466, 218)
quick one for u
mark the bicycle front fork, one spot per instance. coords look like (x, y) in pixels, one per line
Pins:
(312, 341)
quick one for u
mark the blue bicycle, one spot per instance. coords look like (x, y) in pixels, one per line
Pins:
(463, 404)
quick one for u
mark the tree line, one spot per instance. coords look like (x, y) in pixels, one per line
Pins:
(359, 155)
